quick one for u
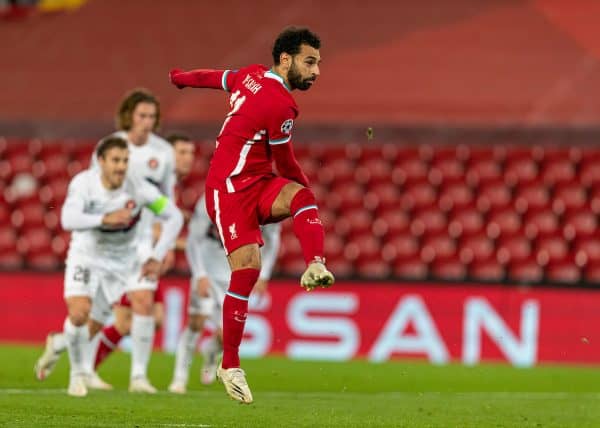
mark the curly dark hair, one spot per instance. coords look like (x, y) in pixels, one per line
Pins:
(131, 100)
(291, 39)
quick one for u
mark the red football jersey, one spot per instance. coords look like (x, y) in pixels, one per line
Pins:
(262, 114)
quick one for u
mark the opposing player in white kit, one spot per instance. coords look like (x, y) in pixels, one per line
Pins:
(152, 159)
(103, 210)
(209, 282)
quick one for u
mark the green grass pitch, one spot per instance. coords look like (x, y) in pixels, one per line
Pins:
(309, 394)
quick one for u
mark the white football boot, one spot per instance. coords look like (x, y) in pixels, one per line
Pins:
(316, 275)
(77, 386)
(141, 384)
(93, 381)
(178, 387)
(235, 383)
(46, 363)
(208, 372)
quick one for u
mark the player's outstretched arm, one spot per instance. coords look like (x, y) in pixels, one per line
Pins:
(201, 78)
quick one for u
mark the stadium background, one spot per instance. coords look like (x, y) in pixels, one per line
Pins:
(463, 228)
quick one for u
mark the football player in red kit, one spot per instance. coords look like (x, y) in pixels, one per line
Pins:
(242, 192)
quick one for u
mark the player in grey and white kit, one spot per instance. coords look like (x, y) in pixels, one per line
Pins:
(103, 209)
(152, 159)
(209, 282)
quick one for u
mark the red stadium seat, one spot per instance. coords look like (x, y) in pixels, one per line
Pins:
(540, 222)
(587, 250)
(513, 248)
(344, 196)
(11, 260)
(503, 221)
(290, 247)
(362, 246)
(530, 196)
(483, 170)
(373, 268)
(341, 267)
(579, 223)
(445, 169)
(525, 271)
(591, 273)
(56, 166)
(475, 247)
(359, 219)
(520, 170)
(388, 194)
(455, 195)
(489, 269)
(448, 268)
(21, 163)
(437, 246)
(493, 195)
(8, 239)
(31, 215)
(44, 260)
(427, 221)
(558, 171)
(391, 222)
(418, 195)
(464, 221)
(4, 214)
(568, 196)
(410, 268)
(563, 271)
(339, 171)
(410, 170)
(373, 170)
(551, 248)
(404, 245)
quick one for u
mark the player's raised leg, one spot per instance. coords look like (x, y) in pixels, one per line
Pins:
(299, 202)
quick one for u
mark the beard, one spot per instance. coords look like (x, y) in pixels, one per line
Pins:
(297, 81)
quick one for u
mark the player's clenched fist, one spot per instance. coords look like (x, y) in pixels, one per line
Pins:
(118, 218)
(151, 270)
(176, 78)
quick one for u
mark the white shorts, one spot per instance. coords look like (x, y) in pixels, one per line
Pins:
(101, 287)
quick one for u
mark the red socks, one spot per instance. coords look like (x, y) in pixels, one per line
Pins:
(235, 310)
(108, 342)
(307, 225)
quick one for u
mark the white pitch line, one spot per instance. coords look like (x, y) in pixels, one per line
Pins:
(399, 394)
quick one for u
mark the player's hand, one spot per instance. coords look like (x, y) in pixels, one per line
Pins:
(173, 78)
(260, 289)
(118, 218)
(151, 270)
(203, 287)
(168, 262)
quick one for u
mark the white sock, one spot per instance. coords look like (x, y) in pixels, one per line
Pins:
(77, 339)
(59, 343)
(184, 354)
(142, 337)
(213, 346)
(90, 353)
